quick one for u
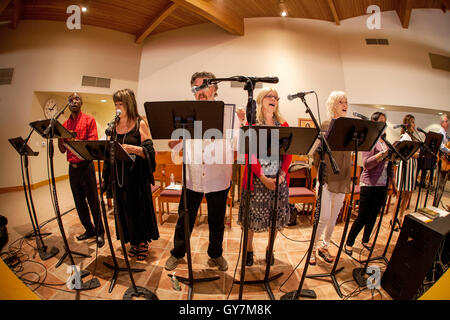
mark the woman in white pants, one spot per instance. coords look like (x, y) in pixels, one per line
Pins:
(335, 186)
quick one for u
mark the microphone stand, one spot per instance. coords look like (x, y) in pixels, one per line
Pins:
(133, 291)
(325, 150)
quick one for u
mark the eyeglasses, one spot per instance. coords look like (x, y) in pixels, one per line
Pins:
(272, 97)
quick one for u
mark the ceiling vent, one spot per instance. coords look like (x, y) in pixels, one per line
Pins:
(379, 42)
(440, 62)
(6, 75)
(95, 82)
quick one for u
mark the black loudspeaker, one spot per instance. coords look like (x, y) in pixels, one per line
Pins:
(421, 251)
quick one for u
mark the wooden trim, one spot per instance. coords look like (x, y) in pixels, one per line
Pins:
(156, 22)
(3, 5)
(33, 186)
(404, 9)
(227, 19)
(334, 12)
(18, 12)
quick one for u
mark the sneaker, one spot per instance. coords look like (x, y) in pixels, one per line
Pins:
(219, 262)
(171, 263)
(312, 259)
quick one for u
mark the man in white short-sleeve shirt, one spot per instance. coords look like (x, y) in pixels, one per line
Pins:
(204, 177)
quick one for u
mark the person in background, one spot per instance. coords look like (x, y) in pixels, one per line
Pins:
(82, 173)
(444, 155)
(374, 186)
(263, 182)
(134, 178)
(410, 172)
(335, 185)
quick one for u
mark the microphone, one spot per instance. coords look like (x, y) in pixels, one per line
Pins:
(404, 126)
(259, 79)
(298, 95)
(208, 82)
(421, 130)
(112, 123)
(356, 114)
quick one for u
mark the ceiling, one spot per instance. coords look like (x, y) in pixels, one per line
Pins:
(144, 17)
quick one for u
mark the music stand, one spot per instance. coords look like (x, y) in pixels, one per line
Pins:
(291, 140)
(406, 149)
(51, 129)
(24, 150)
(427, 162)
(164, 118)
(100, 150)
(348, 134)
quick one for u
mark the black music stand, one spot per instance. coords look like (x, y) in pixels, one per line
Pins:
(348, 134)
(164, 118)
(291, 140)
(51, 129)
(427, 162)
(25, 151)
(406, 149)
(99, 150)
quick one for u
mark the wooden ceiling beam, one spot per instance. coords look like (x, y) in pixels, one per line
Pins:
(3, 5)
(17, 13)
(404, 9)
(217, 14)
(334, 12)
(156, 21)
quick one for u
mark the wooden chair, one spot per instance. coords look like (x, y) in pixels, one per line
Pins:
(356, 194)
(169, 196)
(304, 195)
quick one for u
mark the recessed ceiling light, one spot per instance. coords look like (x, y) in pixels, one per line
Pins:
(84, 9)
(382, 108)
(284, 14)
(440, 113)
(103, 100)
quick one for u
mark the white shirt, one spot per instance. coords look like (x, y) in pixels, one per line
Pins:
(444, 140)
(209, 164)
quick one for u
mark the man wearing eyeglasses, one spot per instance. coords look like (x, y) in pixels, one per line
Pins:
(211, 180)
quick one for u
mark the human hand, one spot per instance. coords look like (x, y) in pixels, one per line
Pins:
(269, 183)
(174, 143)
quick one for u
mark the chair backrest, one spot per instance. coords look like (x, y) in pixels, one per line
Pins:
(176, 169)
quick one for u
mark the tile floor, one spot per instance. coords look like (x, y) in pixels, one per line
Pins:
(290, 249)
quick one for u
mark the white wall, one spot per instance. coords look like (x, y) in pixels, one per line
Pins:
(49, 57)
(398, 74)
(304, 54)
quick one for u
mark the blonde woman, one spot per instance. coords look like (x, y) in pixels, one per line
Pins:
(335, 185)
(262, 181)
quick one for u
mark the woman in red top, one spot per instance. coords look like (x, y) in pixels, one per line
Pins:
(262, 181)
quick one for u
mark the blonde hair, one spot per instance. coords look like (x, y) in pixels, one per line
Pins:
(443, 118)
(259, 105)
(332, 101)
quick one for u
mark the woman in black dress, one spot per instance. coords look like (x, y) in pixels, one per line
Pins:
(133, 179)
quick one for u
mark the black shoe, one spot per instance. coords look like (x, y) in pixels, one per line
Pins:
(100, 241)
(86, 235)
(272, 259)
(249, 259)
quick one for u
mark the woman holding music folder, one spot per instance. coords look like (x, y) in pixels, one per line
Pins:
(133, 179)
(263, 179)
(335, 185)
(409, 183)
(374, 186)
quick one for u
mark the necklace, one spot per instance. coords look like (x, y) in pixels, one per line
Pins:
(123, 165)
